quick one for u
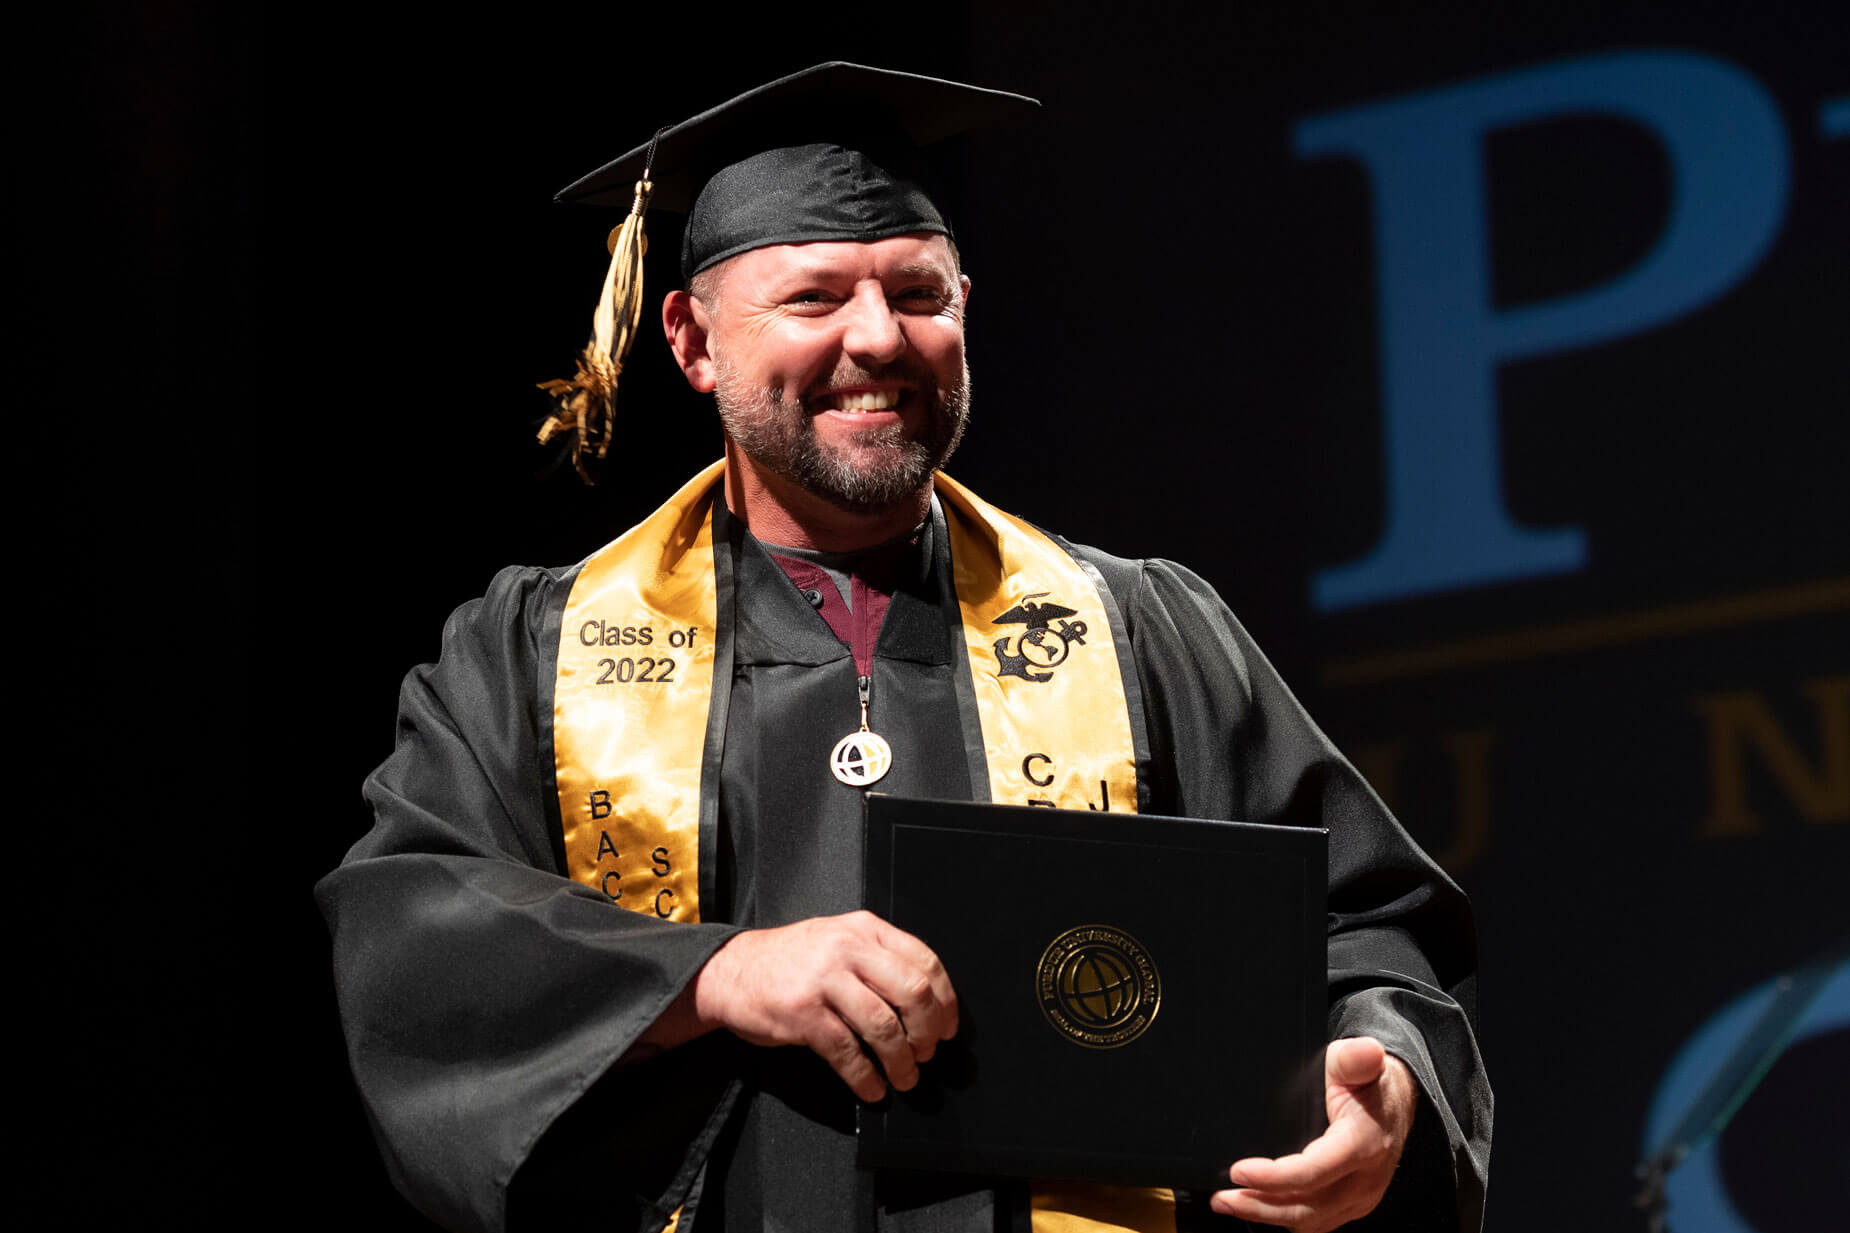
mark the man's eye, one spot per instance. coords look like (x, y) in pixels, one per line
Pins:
(810, 297)
(923, 297)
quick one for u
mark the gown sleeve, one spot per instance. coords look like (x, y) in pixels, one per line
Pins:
(482, 993)
(1228, 740)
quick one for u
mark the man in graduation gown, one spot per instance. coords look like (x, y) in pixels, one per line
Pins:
(599, 957)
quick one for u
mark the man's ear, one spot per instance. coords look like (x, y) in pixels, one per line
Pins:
(686, 324)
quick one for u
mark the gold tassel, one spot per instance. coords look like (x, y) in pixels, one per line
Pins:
(586, 402)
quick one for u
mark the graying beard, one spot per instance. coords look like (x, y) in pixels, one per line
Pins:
(787, 445)
(903, 468)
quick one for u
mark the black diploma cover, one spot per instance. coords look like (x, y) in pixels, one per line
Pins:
(1142, 1000)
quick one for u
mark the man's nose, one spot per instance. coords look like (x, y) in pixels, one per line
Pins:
(873, 334)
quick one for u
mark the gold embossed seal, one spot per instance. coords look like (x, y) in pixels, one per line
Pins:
(1098, 986)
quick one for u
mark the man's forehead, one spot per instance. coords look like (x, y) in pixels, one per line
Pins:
(923, 255)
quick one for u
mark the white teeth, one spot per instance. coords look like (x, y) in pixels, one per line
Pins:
(873, 400)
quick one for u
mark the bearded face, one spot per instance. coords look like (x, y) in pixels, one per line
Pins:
(855, 468)
(839, 366)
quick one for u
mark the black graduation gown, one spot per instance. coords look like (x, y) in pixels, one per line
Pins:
(487, 998)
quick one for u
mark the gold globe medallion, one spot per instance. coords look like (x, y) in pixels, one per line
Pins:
(861, 758)
(1098, 986)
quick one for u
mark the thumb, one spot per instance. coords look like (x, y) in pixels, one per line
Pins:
(1354, 1062)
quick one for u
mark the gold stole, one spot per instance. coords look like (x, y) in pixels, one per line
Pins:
(634, 687)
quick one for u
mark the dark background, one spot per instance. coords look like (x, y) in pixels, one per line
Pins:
(288, 280)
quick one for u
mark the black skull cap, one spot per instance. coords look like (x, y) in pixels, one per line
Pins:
(835, 152)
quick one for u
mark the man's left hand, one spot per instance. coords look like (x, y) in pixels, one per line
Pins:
(1342, 1174)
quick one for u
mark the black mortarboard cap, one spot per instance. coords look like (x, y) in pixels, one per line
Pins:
(830, 153)
(834, 152)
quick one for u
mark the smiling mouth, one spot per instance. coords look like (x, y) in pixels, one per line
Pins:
(860, 402)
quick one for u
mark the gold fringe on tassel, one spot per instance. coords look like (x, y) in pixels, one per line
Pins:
(586, 402)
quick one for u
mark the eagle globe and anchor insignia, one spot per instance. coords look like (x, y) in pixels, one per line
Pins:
(1041, 647)
(1098, 986)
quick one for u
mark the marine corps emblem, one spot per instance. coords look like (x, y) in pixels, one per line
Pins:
(1041, 647)
(1098, 987)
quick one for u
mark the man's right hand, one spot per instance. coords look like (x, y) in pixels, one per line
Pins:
(831, 983)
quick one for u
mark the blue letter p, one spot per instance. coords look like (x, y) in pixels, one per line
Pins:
(1441, 339)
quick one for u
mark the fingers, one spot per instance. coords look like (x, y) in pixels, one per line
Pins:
(920, 957)
(1286, 1212)
(876, 1024)
(908, 977)
(897, 998)
(833, 984)
(1336, 1178)
(1332, 1155)
(1301, 1213)
(1354, 1061)
(1342, 1173)
(837, 1044)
